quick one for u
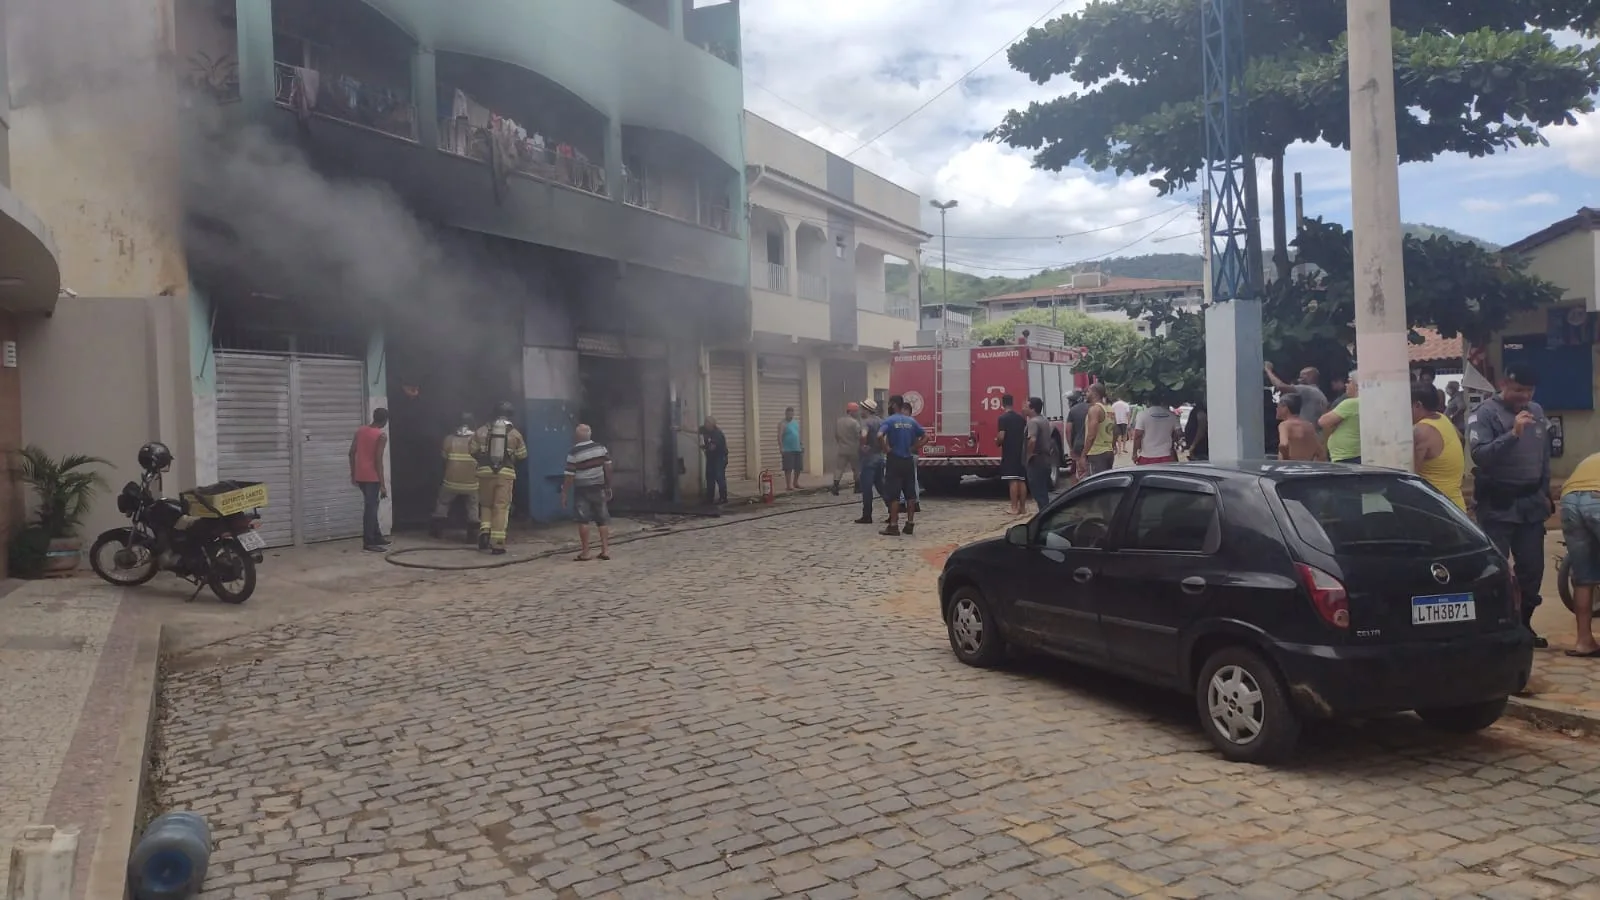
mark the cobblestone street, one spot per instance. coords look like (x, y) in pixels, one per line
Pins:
(771, 709)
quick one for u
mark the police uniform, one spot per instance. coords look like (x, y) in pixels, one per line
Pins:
(497, 448)
(1512, 489)
(460, 480)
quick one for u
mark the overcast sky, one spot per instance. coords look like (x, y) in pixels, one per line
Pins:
(839, 72)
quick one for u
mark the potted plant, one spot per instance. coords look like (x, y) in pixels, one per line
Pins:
(63, 491)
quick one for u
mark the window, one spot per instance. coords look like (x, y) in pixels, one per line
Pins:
(1377, 515)
(1083, 523)
(1176, 521)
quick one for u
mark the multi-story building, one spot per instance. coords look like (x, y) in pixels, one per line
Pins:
(1099, 296)
(821, 320)
(346, 204)
(30, 282)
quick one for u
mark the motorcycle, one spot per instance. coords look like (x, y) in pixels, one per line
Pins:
(203, 537)
(1564, 582)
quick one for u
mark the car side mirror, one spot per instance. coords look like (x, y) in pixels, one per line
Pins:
(1017, 535)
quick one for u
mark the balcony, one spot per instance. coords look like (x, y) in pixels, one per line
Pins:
(813, 286)
(776, 277)
(523, 154)
(343, 98)
(900, 306)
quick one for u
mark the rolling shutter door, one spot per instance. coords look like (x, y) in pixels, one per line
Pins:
(253, 428)
(777, 393)
(332, 405)
(728, 405)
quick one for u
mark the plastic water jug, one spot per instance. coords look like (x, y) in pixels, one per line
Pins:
(170, 860)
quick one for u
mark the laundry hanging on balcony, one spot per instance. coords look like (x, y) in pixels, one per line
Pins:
(303, 93)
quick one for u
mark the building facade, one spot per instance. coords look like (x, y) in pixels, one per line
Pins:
(30, 284)
(1099, 296)
(339, 205)
(822, 320)
(1559, 340)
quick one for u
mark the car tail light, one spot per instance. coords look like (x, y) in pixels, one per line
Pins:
(1327, 595)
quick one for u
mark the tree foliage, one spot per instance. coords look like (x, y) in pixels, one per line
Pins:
(1455, 287)
(1102, 339)
(1469, 78)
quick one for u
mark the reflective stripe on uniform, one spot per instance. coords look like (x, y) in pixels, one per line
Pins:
(460, 488)
(507, 473)
(460, 457)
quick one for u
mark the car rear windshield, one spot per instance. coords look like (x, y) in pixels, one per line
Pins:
(1377, 515)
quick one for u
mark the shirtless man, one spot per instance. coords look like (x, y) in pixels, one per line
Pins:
(1297, 438)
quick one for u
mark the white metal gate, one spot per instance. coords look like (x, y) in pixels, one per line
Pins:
(253, 434)
(287, 422)
(729, 401)
(778, 390)
(332, 404)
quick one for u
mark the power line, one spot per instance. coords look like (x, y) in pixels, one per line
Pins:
(1183, 207)
(1074, 262)
(952, 85)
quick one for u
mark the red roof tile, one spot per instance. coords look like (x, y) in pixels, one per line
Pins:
(1435, 348)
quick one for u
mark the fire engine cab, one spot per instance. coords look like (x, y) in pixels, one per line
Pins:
(954, 391)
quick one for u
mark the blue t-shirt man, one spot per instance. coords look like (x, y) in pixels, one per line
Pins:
(901, 432)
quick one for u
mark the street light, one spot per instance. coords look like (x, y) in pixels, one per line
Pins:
(944, 252)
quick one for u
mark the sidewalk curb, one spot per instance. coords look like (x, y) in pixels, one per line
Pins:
(128, 788)
(1558, 716)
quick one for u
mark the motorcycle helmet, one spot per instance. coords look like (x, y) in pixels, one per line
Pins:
(155, 457)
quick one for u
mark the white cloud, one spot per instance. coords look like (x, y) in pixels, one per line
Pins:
(841, 71)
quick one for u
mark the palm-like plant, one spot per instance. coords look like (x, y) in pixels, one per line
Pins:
(64, 488)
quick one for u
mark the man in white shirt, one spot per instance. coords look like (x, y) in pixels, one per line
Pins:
(1121, 414)
(1153, 435)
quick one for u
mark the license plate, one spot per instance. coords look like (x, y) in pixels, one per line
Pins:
(1439, 608)
(252, 541)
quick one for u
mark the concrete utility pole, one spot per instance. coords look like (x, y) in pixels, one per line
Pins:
(944, 245)
(1382, 356)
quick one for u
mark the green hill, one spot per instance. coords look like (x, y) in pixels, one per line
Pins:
(966, 288)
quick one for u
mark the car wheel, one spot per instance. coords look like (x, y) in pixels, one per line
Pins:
(974, 635)
(1244, 709)
(1465, 719)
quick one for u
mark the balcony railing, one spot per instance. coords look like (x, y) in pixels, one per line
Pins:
(813, 286)
(777, 277)
(345, 99)
(900, 306)
(530, 157)
(645, 192)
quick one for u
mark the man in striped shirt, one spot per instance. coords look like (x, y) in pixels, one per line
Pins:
(589, 481)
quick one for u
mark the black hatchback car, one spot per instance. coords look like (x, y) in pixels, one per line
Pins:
(1271, 591)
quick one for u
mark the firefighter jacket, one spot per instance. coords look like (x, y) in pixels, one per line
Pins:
(460, 466)
(497, 448)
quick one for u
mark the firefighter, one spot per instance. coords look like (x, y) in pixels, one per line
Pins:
(497, 447)
(460, 479)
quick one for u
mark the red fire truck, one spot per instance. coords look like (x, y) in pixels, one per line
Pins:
(955, 391)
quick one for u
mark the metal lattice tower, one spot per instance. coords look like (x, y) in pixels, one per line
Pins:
(1222, 36)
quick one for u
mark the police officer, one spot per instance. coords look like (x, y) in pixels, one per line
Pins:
(460, 479)
(1509, 438)
(497, 448)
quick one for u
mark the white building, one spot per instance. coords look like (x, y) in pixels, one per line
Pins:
(1099, 296)
(822, 321)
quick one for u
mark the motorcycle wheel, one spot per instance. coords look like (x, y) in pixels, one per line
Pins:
(228, 559)
(1564, 585)
(123, 572)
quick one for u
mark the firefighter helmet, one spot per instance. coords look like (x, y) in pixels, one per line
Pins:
(468, 420)
(155, 457)
(503, 409)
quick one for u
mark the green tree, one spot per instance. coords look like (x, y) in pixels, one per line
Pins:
(1100, 338)
(1471, 77)
(1456, 287)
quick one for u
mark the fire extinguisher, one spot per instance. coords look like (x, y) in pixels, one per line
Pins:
(768, 492)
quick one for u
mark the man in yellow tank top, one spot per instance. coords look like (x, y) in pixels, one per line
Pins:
(1580, 526)
(1436, 445)
(1100, 444)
